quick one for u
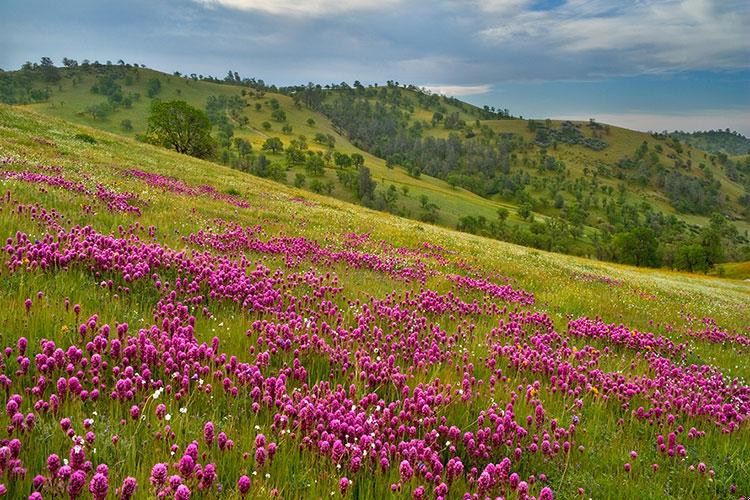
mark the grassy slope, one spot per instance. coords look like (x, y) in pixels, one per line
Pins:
(68, 100)
(644, 296)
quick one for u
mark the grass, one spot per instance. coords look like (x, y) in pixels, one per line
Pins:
(648, 300)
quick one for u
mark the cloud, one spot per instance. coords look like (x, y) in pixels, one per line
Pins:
(645, 35)
(458, 90)
(501, 6)
(301, 8)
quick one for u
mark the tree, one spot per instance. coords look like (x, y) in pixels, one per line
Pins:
(638, 246)
(273, 144)
(365, 186)
(299, 180)
(154, 87)
(502, 214)
(314, 165)
(342, 160)
(48, 69)
(357, 160)
(279, 115)
(524, 211)
(179, 126)
(99, 111)
(691, 258)
(244, 148)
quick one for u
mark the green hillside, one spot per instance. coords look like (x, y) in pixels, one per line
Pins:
(71, 97)
(716, 141)
(581, 188)
(191, 330)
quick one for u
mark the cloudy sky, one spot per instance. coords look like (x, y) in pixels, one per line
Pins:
(649, 64)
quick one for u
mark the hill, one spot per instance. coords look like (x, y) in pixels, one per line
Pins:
(581, 188)
(176, 326)
(716, 141)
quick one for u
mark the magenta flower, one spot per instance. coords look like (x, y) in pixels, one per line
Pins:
(182, 493)
(208, 433)
(405, 471)
(158, 474)
(76, 483)
(186, 466)
(344, 485)
(99, 486)
(127, 490)
(243, 485)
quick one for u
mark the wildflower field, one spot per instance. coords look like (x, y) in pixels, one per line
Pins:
(175, 329)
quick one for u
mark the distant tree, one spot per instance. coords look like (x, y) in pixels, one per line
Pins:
(154, 87)
(99, 111)
(365, 186)
(315, 165)
(524, 211)
(391, 195)
(126, 125)
(357, 160)
(273, 144)
(559, 201)
(179, 126)
(279, 115)
(691, 258)
(266, 125)
(310, 122)
(244, 148)
(48, 70)
(638, 246)
(299, 180)
(342, 160)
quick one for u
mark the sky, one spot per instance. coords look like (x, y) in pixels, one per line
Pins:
(645, 64)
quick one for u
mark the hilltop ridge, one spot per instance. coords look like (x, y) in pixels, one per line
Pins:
(576, 187)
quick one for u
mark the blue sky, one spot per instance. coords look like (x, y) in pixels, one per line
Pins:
(648, 64)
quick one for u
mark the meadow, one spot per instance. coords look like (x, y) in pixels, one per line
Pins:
(173, 328)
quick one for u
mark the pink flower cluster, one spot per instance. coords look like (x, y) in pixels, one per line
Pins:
(114, 201)
(177, 186)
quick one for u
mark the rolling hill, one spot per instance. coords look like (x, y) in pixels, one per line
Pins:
(580, 188)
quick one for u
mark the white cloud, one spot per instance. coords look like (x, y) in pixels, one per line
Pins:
(643, 34)
(301, 8)
(458, 90)
(501, 6)
(738, 120)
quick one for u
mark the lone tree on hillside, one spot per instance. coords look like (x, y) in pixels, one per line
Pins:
(273, 144)
(179, 126)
